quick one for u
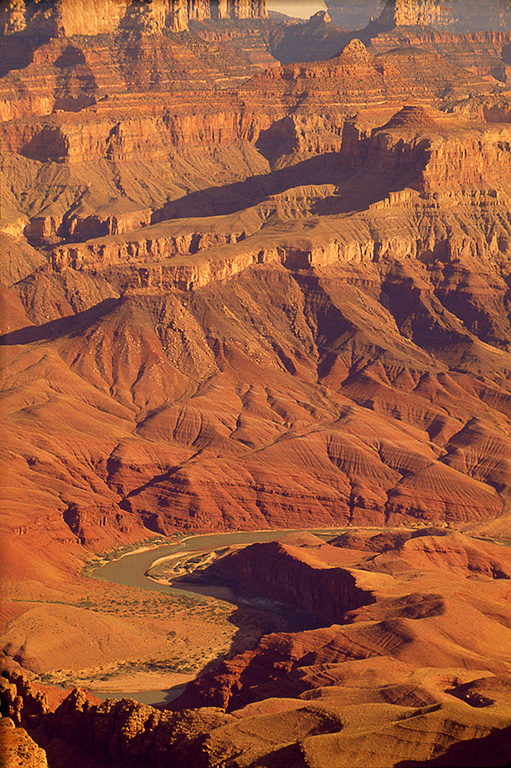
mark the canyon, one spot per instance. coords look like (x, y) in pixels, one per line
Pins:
(396, 674)
(245, 289)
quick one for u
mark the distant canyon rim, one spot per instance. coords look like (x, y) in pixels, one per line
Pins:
(256, 276)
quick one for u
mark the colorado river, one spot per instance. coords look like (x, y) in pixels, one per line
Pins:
(131, 570)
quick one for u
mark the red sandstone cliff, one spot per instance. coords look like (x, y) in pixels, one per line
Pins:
(297, 577)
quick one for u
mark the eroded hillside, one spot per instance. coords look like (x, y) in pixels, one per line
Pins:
(242, 294)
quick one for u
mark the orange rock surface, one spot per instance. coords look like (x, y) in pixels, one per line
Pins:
(311, 339)
(411, 642)
(241, 294)
(402, 671)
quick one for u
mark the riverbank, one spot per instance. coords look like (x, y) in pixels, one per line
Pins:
(244, 619)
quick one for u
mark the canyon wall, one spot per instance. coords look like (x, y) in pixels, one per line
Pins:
(284, 573)
(416, 13)
(65, 18)
(270, 110)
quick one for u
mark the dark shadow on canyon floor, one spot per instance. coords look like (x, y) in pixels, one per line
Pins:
(355, 189)
(254, 617)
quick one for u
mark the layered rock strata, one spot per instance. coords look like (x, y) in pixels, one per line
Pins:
(292, 576)
(277, 304)
(440, 248)
(270, 110)
(65, 18)
(239, 303)
(415, 13)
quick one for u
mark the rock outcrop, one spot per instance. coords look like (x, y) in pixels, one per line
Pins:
(65, 18)
(457, 16)
(112, 733)
(296, 577)
(18, 749)
(442, 152)
(416, 13)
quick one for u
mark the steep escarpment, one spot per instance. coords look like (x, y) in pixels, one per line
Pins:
(424, 151)
(77, 17)
(457, 15)
(68, 74)
(290, 576)
(300, 107)
(443, 152)
(66, 55)
(417, 13)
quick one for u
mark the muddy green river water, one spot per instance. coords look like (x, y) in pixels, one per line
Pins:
(131, 570)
